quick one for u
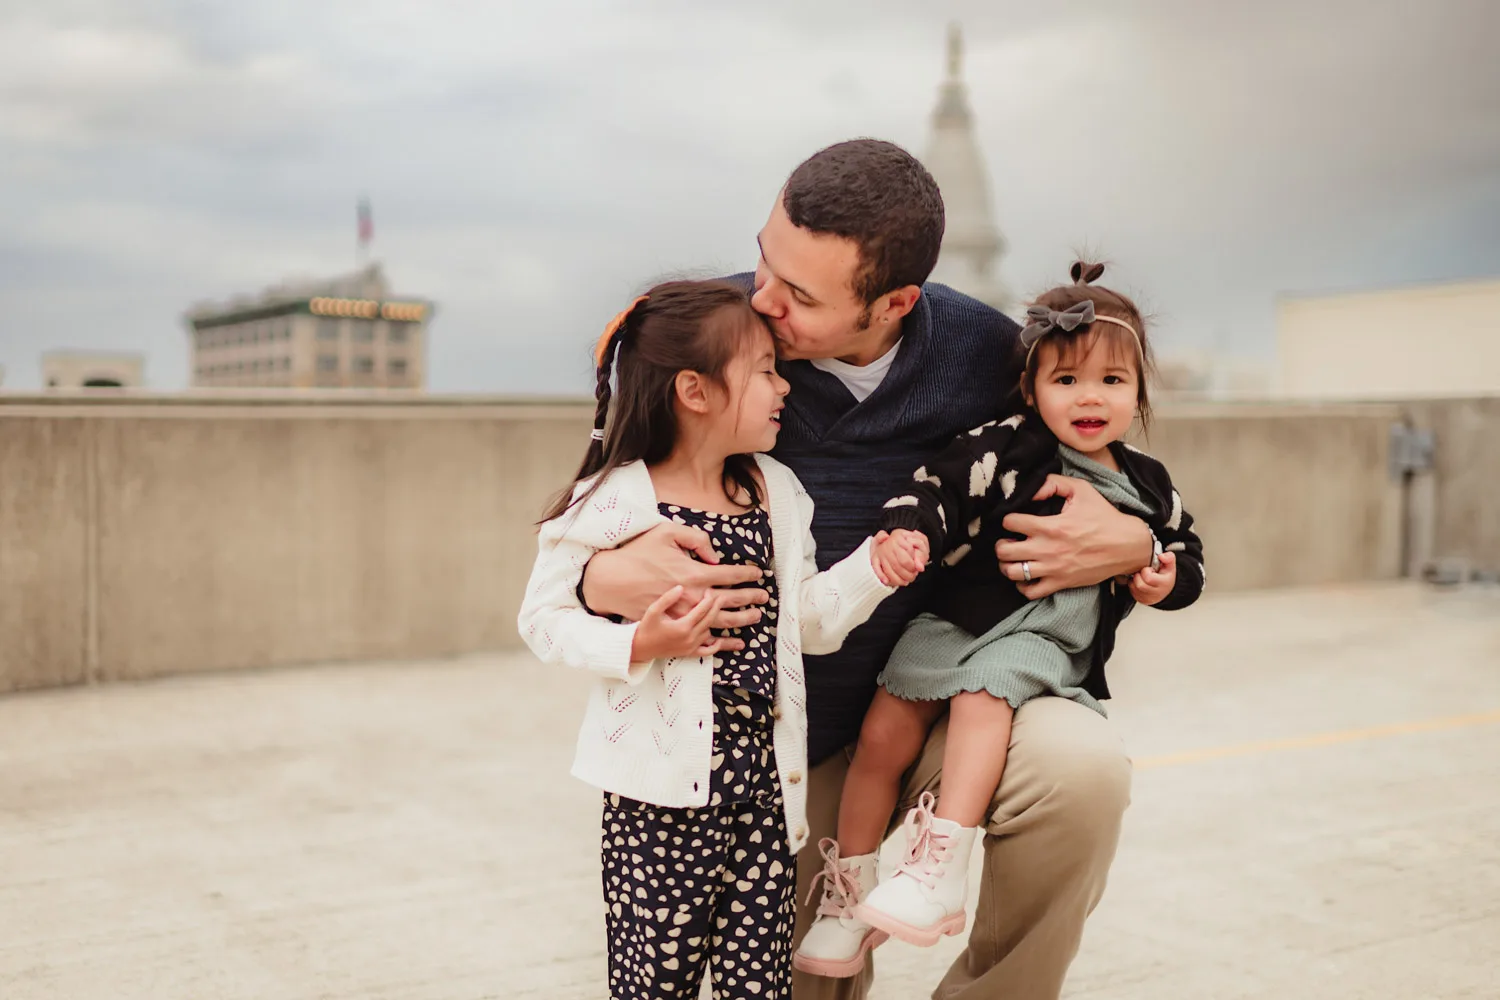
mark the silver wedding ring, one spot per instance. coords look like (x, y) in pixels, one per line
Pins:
(1026, 571)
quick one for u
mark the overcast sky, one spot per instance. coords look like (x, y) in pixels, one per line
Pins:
(532, 165)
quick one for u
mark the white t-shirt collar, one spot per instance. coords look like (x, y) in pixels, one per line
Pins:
(861, 380)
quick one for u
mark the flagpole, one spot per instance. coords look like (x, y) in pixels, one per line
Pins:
(365, 231)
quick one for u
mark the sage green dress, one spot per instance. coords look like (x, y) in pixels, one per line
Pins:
(1045, 648)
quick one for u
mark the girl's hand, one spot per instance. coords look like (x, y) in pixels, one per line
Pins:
(899, 556)
(1151, 586)
(660, 634)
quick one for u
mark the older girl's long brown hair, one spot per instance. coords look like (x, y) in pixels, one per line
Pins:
(677, 326)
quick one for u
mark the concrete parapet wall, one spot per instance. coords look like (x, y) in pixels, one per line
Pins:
(1286, 495)
(147, 535)
(140, 538)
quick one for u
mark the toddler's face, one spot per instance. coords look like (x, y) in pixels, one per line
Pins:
(1086, 395)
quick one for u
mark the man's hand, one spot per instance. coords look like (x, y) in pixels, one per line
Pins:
(1085, 544)
(1151, 586)
(899, 556)
(660, 634)
(628, 580)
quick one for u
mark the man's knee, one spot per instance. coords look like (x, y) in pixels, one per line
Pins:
(1065, 764)
(1090, 783)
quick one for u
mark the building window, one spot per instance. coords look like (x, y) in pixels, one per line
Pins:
(396, 366)
(364, 366)
(286, 329)
(328, 329)
(397, 333)
(364, 333)
(328, 362)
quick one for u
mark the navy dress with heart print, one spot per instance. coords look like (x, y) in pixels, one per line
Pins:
(711, 888)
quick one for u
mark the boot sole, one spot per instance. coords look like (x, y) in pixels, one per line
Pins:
(831, 968)
(922, 937)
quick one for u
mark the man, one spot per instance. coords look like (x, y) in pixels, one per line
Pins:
(884, 369)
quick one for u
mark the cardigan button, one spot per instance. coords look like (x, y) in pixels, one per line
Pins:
(776, 712)
(801, 833)
(795, 777)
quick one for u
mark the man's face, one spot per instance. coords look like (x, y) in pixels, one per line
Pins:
(804, 287)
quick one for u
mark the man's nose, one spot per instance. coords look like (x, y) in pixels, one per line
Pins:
(766, 302)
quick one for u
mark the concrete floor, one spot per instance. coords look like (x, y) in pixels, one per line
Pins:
(1316, 814)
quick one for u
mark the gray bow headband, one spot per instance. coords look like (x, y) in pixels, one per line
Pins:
(1041, 321)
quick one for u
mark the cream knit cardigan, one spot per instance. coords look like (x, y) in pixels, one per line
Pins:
(648, 730)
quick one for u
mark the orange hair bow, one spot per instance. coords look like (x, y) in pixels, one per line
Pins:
(601, 350)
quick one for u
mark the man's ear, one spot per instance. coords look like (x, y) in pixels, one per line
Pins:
(692, 391)
(893, 306)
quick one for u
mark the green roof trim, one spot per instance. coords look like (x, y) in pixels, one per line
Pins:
(298, 308)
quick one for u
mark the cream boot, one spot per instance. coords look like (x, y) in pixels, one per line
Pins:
(925, 897)
(836, 943)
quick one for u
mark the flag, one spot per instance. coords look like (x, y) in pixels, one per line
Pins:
(366, 223)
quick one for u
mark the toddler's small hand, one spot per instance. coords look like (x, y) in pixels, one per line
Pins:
(1151, 586)
(899, 556)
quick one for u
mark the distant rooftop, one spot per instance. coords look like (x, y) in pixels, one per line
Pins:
(368, 282)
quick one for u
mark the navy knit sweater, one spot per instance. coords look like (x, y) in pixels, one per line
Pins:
(956, 369)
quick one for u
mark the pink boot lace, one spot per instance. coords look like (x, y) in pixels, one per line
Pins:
(926, 849)
(840, 889)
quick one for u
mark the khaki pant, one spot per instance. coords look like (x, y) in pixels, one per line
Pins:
(1047, 852)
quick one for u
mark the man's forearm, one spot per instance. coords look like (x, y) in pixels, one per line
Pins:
(594, 591)
(1128, 550)
(587, 596)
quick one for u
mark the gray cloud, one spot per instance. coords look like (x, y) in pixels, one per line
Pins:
(532, 165)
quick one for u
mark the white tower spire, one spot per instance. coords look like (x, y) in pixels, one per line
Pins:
(972, 244)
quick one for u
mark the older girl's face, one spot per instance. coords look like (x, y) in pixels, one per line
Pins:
(755, 395)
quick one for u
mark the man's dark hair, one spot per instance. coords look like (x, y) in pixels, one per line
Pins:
(878, 195)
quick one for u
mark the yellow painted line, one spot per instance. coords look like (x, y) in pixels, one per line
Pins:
(1319, 740)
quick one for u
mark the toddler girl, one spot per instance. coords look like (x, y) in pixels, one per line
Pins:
(982, 650)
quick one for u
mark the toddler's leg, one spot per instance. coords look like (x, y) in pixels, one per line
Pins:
(890, 740)
(892, 737)
(974, 760)
(925, 898)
